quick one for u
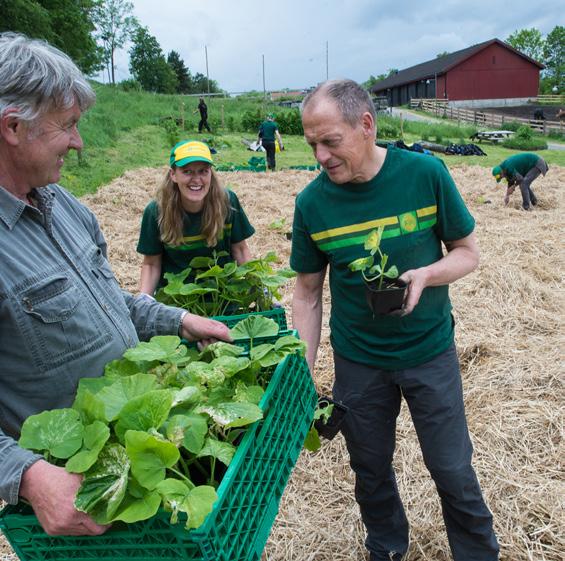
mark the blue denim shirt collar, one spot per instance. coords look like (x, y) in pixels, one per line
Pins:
(11, 208)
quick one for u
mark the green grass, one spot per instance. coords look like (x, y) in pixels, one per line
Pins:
(125, 130)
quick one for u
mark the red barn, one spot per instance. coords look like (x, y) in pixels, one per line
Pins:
(489, 71)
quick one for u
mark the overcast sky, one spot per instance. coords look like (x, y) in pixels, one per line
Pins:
(364, 37)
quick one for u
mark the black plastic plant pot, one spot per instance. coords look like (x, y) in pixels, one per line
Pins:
(330, 427)
(288, 235)
(386, 300)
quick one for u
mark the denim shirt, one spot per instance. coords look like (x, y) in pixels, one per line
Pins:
(63, 315)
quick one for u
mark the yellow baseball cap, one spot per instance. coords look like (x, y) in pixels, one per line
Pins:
(187, 151)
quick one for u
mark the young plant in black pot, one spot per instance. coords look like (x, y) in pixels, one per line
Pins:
(383, 290)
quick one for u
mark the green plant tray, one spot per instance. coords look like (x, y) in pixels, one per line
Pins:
(276, 314)
(248, 496)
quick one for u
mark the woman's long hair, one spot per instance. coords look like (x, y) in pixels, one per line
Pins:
(214, 212)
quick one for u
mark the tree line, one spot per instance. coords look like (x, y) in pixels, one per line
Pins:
(549, 50)
(91, 31)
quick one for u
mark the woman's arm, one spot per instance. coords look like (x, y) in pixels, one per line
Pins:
(150, 274)
(240, 252)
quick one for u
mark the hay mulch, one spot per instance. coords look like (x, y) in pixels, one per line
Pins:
(509, 335)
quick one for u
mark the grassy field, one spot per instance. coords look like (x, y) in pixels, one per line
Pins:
(131, 130)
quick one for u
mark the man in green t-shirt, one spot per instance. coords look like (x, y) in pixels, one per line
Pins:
(268, 135)
(521, 169)
(380, 359)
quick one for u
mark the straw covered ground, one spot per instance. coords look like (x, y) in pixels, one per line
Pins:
(509, 334)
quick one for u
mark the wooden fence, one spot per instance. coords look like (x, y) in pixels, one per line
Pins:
(440, 108)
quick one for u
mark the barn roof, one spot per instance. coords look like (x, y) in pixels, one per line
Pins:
(441, 65)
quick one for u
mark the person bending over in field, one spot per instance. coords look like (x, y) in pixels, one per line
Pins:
(521, 170)
(63, 315)
(192, 216)
(379, 360)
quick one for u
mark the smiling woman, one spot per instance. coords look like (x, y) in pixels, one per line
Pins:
(192, 216)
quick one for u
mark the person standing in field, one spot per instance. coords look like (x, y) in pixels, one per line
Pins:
(380, 360)
(193, 215)
(203, 109)
(521, 170)
(268, 135)
(63, 315)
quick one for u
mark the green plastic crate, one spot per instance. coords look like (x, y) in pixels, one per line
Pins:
(248, 496)
(276, 314)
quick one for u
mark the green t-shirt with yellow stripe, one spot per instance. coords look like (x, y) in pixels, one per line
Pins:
(415, 199)
(176, 258)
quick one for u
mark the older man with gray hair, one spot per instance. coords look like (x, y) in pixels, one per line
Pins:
(410, 353)
(63, 315)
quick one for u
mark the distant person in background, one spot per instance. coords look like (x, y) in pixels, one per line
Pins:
(268, 134)
(191, 216)
(521, 169)
(203, 108)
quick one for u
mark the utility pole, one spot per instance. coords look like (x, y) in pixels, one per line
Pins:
(264, 89)
(207, 75)
(327, 63)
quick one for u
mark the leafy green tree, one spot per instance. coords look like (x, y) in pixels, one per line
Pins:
(67, 24)
(25, 16)
(148, 65)
(114, 28)
(71, 22)
(528, 41)
(442, 54)
(182, 72)
(367, 84)
(554, 57)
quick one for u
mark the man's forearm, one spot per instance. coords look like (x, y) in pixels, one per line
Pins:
(458, 262)
(307, 320)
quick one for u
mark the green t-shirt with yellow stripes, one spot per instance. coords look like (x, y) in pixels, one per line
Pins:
(176, 258)
(416, 200)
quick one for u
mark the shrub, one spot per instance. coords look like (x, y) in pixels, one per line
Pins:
(512, 125)
(525, 144)
(525, 133)
(251, 120)
(290, 122)
(130, 85)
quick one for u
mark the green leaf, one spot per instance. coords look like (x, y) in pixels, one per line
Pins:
(188, 430)
(216, 350)
(254, 326)
(95, 436)
(104, 485)
(214, 271)
(266, 355)
(361, 264)
(90, 407)
(58, 432)
(312, 442)
(373, 240)
(197, 503)
(145, 412)
(229, 365)
(120, 367)
(201, 262)
(187, 395)
(289, 344)
(150, 456)
(204, 373)
(116, 395)
(251, 394)
(134, 509)
(162, 348)
(222, 451)
(233, 414)
(392, 273)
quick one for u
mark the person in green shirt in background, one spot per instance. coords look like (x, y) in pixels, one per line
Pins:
(193, 215)
(379, 360)
(521, 170)
(268, 132)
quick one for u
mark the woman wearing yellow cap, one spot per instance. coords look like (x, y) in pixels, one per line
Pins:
(191, 216)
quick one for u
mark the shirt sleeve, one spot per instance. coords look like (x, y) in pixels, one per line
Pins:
(305, 257)
(149, 235)
(13, 462)
(241, 227)
(454, 221)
